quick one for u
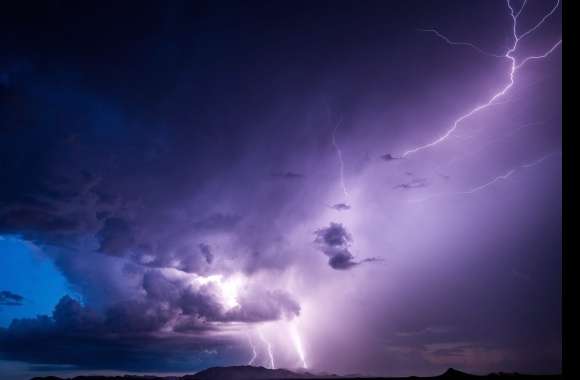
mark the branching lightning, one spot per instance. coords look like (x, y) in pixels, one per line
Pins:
(456, 43)
(489, 183)
(485, 146)
(515, 65)
(268, 349)
(498, 98)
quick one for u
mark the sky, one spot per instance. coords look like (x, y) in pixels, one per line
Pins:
(25, 270)
(346, 187)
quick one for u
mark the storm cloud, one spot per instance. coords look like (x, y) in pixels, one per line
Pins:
(177, 168)
(335, 242)
(125, 338)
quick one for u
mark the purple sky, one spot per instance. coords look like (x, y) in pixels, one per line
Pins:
(282, 184)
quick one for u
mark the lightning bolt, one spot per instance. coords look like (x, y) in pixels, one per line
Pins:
(340, 159)
(514, 67)
(488, 184)
(469, 44)
(337, 149)
(540, 160)
(502, 177)
(297, 341)
(268, 348)
(484, 146)
(253, 347)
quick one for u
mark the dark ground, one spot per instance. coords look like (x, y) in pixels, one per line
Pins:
(261, 373)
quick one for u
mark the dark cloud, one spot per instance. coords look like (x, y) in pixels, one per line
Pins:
(288, 175)
(8, 298)
(35, 218)
(342, 260)
(206, 252)
(69, 315)
(160, 288)
(341, 207)
(77, 335)
(201, 303)
(334, 241)
(130, 348)
(115, 190)
(115, 237)
(413, 184)
(195, 258)
(194, 325)
(138, 317)
(137, 180)
(389, 157)
(334, 236)
(163, 307)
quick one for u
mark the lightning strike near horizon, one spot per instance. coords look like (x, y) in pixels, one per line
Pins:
(268, 349)
(514, 67)
(253, 347)
(502, 177)
(297, 341)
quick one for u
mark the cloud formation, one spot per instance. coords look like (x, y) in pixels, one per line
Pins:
(8, 298)
(341, 207)
(126, 337)
(171, 311)
(177, 194)
(335, 241)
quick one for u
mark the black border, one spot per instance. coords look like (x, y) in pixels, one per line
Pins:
(570, 360)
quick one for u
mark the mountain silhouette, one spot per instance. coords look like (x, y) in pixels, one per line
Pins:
(247, 373)
(453, 373)
(261, 373)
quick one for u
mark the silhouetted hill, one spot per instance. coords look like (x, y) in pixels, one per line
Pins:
(246, 373)
(453, 373)
(261, 373)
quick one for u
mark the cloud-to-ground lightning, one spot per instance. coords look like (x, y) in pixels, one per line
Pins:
(254, 352)
(515, 65)
(297, 341)
(268, 349)
(489, 183)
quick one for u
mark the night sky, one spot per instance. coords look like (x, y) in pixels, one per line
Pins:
(347, 186)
